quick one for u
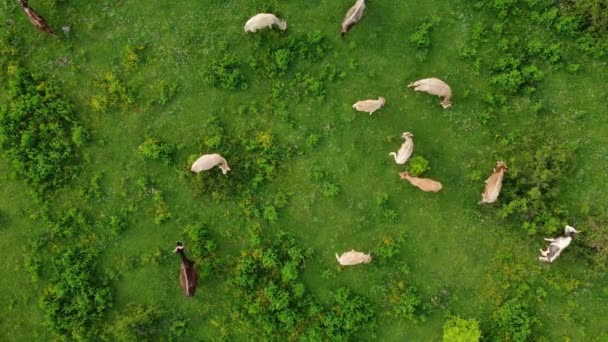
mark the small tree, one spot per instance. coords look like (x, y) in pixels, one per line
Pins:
(458, 329)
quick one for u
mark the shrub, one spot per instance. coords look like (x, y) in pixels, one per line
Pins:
(513, 322)
(154, 149)
(417, 166)
(530, 191)
(458, 329)
(132, 56)
(224, 72)
(114, 94)
(164, 92)
(349, 314)
(77, 295)
(139, 322)
(386, 249)
(420, 38)
(330, 189)
(39, 133)
(403, 299)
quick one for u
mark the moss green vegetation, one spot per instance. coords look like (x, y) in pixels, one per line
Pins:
(99, 127)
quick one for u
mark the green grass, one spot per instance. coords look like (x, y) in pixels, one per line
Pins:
(449, 241)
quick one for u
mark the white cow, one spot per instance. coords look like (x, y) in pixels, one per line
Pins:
(353, 16)
(557, 245)
(209, 161)
(406, 149)
(370, 106)
(435, 86)
(353, 258)
(263, 20)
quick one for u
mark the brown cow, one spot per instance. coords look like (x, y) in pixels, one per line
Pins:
(36, 19)
(424, 184)
(494, 183)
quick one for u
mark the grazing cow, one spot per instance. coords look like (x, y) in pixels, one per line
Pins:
(187, 272)
(557, 245)
(435, 86)
(263, 20)
(406, 149)
(352, 17)
(493, 184)
(209, 161)
(370, 106)
(353, 258)
(36, 19)
(424, 184)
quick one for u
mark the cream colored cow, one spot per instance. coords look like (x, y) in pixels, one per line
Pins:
(370, 106)
(435, 86)
(494, 184)
(209, 161)
(406, 149)
(353, 16)
(424, 184)
(353, 258)
(264, 20)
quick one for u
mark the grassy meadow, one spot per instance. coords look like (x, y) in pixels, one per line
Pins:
(326, 175)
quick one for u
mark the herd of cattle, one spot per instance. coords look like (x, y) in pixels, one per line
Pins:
(433, 86)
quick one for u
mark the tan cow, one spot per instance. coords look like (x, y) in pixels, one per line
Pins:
(263, 20)
(435, 86)
(353, 16)
(406, 149)
(424, 184)
(209, 161)
(353, 258)
(494, 184)
(370, 106)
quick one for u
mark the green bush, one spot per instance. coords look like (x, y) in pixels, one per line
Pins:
(417, 166)
(39, 133)
(512, 322)
(77, 296)
(114, 93)
(403, 299)
(225, 72)
(458, 329)
(530, 186)
(349, 313)
(154, 149)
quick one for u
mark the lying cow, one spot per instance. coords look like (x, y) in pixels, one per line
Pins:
(557, 245)
(370, 106)
(424, 184)
(435, 86)
(406, 149)
(263, 20)
(494, 184)
(209, 161)
(353, 258)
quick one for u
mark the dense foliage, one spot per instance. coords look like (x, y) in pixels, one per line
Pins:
(531, 184)
(458, 329)
(39, 133)
(277, 304)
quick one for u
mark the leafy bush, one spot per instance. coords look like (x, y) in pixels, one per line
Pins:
(386, 249)
(132, 56)
(512, 322)
(147, 323)
(201, 245)
(402, 298)
(420, 38)
(595, 239)
(164, 92)
(114, 94)
(530, 191)
(154, 149)
(349, 314)
(77, 295)
(417, 166)
(37, 131)
(458, 329)
(224, 72)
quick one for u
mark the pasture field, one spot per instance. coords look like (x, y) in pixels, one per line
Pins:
(154, 84)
